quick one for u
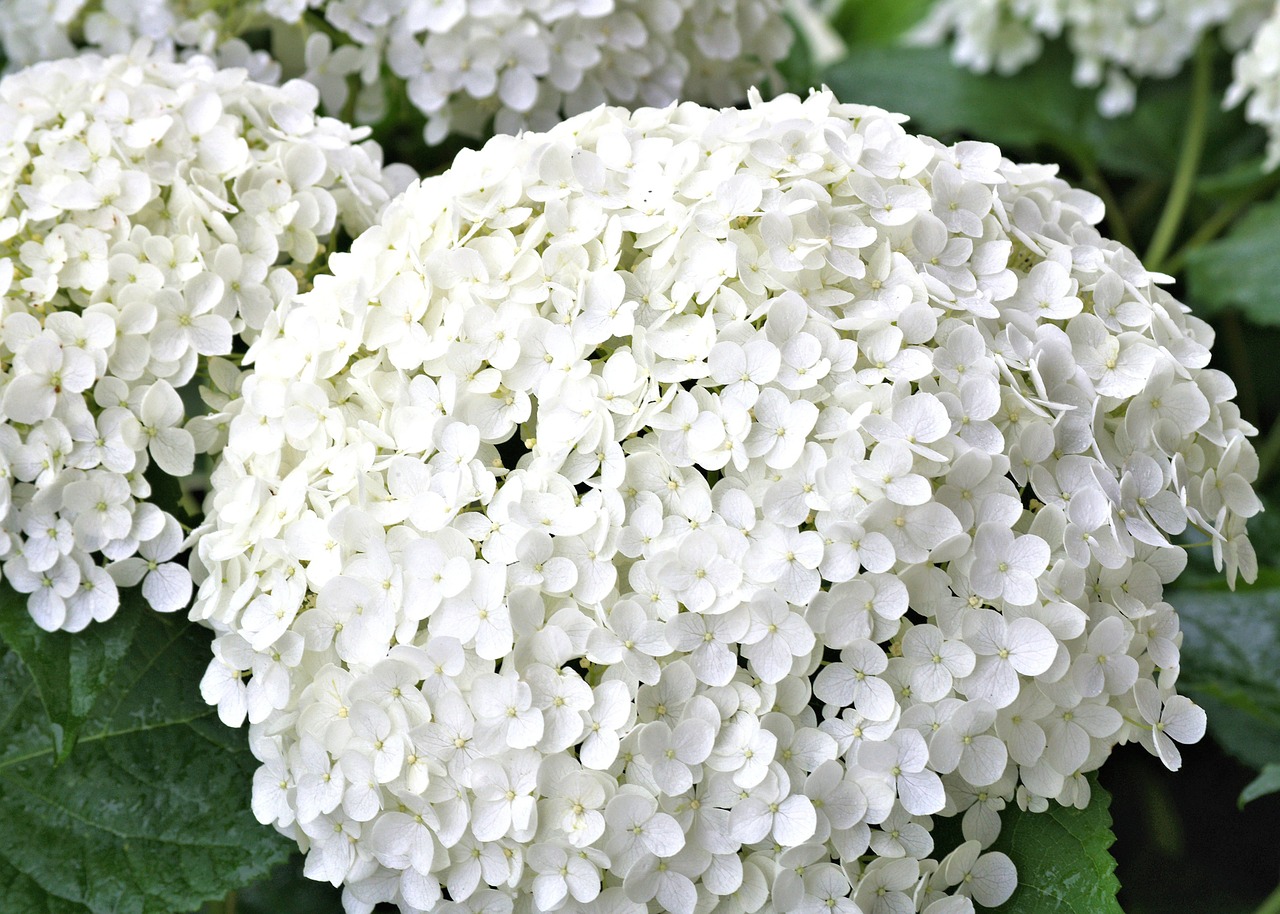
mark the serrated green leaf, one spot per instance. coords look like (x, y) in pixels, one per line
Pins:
(70, 670)
(1230, 655)
(21, 893)
(1268, 782)
(1241, 270)
(150, 814)
(1063, 859)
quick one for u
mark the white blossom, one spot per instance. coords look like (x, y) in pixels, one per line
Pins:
(674, 557)
(1257, 79)
(469, 68)
(1113, 43)
(128, 180)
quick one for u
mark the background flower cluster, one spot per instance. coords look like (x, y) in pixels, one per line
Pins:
(1116, 43)
(468, 68)
(153, 213)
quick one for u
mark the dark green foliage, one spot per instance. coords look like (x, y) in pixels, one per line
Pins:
(1268, 782)
(1063, 859)
(864, 23)
(1230, 659)
(1242, 269)
(70, 670)
(1039, 113)
(150, 812)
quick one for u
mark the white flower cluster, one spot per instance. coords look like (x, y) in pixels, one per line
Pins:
(150, 213)
(1257, 77)
(35, 30)
(528, 65)
(1113, 41)
(676, 510)
(466, 65)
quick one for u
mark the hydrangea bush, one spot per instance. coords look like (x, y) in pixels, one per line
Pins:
(679, 509)
(469, 68)
(151, 214)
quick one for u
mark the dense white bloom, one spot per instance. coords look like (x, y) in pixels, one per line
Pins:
(1114, 42)
(1257, 78)
(129, 186)
(470, 68)
(36, 30)
(718, 528)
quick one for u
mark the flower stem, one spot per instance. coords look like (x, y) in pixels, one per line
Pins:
(1115, 215)
(1233, 337)
(1267, 453)
(1188, 160)
(1136, 723)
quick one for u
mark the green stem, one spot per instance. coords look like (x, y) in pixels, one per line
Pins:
(1233, 337)
(1115, 214)
(1093, 179)
(1239, 365)
(1271, 905)
(1188, 161)
(1139, 200)
(1268, 453)
(1209, 229)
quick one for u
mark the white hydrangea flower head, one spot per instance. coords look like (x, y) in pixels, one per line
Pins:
(151, 212)
(1257, 78)
(35, 30)
(528, 65)
(676, 510)
(469, 68)
(1114, 42)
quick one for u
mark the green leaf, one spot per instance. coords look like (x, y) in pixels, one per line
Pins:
(150, 814)
(22, 894)
(1064, 865)
(1241, 270)
(1267, 782)
(877, 22)
(1230, 655)
(1039, 109)
(70, 670)
(1243, 176)
(942, 99)
(797, 68)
